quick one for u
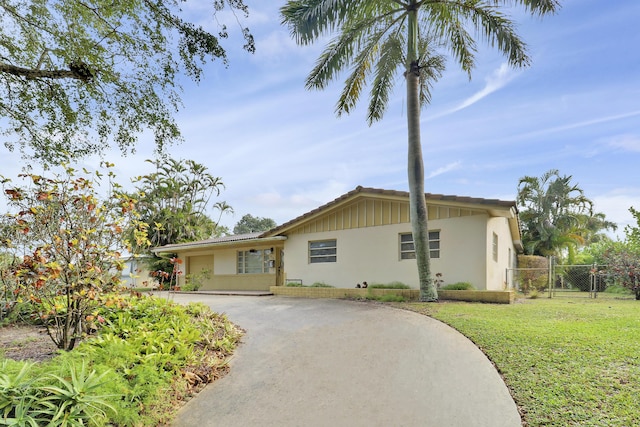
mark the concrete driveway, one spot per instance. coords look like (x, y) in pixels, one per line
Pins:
(341, 363)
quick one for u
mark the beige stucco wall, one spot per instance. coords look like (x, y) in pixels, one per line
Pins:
(372, 254)
(223, 263)
(463, 254)
(496, 271)
(368, 253)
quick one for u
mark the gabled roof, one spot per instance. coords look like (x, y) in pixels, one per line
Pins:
(495, 207)
(491, 205)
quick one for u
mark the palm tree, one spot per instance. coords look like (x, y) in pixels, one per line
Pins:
(556, 215)
(174, 202)
(378, 38)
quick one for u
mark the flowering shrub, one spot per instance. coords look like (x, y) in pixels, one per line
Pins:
(69, 245)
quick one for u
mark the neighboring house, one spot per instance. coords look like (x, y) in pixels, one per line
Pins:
(136, 274)
(364, 235)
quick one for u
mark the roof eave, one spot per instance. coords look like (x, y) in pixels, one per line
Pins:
(182, 247)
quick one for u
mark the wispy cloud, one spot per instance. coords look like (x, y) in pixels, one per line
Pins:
(582, 124)
(494, 82)
(626, 142)
(616, 204)
(497, 80)
(444, 169)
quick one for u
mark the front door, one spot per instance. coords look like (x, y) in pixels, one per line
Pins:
(201, 270)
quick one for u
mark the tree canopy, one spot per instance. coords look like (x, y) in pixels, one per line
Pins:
(75, 75)
(556, 215)
(176, 203)
(251, 224)
(632, 232)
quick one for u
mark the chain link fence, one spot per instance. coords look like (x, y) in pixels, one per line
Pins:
(579, 280)
(558, 280)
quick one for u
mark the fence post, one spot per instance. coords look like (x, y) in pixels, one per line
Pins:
(594, 282)
(550, 274)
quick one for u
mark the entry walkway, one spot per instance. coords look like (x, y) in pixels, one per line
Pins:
(342, 363)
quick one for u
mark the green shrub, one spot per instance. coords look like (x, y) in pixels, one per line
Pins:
(20, 312)
(533, 273)
(459, 286)
(392, 285)
(294, 284)
(29, 397)
(320, 285)
(193, 282)
(131, 373)
(618, 290)
(315, 285)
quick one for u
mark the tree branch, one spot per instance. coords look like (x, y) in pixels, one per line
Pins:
(77, 70)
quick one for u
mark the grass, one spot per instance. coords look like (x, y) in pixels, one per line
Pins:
(386, 298)
(567, 362)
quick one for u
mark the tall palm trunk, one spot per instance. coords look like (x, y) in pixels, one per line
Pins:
(417, 202)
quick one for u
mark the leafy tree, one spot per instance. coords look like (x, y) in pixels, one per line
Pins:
(69, 244)
(556, 215)
(8, 285)
(251, 224)
(379, 39)
(73, 73)
(593, 226)
(622, 261)
(632, 232)
(175, 203)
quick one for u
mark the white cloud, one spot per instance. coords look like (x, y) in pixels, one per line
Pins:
(582, 124)
(615, 205)
(494, 82)
(290, 203)
(626, 142)
(276, 44)
(444, 169)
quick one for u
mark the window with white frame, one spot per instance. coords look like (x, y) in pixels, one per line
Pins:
(495, 247)
(407, 248)
(323, 251)
(254, 261)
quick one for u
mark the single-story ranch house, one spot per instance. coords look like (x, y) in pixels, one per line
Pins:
(364, 235)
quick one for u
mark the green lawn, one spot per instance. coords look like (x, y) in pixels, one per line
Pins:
(567, 361)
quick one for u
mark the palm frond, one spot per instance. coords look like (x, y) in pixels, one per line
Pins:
(535, 7)
(307, 20)
(432, 66)
(499, 30)
(372, 50)
(391, 58)
(443, 21)
(339, 52)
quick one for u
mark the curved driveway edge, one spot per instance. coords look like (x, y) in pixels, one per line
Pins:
(337, 363)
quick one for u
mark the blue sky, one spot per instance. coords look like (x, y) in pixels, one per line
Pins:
(281, 151)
